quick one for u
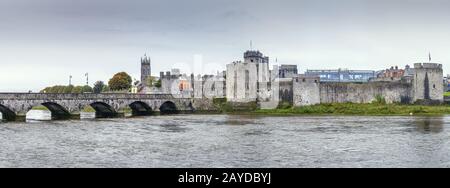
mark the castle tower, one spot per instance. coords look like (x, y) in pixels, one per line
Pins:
(428, 83)
(145, 69)
(248, 80)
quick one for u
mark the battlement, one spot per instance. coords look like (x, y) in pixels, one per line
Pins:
(427, 66)
(253, 54)
(307, 78)
(145, 60)
(168, 75)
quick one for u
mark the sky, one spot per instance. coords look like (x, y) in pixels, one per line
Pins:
(43, 42)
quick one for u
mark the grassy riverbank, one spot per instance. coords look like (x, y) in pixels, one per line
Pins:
(359, 109)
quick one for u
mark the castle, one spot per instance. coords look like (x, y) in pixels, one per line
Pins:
(251, 80)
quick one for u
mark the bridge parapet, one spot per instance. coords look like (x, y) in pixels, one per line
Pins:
(82, 96)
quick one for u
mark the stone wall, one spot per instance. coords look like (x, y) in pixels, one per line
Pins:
(18, 104)
(240, 88)
(285, 90)
(428, 82)
(306, 91)
(365, 92)
(204, 105)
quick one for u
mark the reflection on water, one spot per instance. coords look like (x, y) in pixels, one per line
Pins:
(45, 115)
(429, 124)
(87, 115)
(39, 115)
(228, 141)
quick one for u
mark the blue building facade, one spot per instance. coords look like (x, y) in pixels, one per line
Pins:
(342, 75)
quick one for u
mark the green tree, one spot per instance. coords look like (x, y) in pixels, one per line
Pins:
(61, 89)
(68, 89)
(120, 81)
(158, 83)
(106, 89)
(150, 81)
(98, 87)
(87, 89)
(77, 89)
(46, 90)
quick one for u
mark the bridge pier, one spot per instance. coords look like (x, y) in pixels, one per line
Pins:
(18, 118)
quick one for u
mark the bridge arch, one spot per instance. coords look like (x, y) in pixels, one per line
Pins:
(7, 114)
(58, 112)
(103, 110)
(168, 107)
(139, 108)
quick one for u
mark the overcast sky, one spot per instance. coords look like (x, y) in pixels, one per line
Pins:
(42, 42)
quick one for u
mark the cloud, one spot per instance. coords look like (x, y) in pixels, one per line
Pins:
(106, 36)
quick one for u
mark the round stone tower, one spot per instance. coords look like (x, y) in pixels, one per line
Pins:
(428, 83)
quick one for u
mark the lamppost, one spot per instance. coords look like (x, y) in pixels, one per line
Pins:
(70, 80)
(87, 78)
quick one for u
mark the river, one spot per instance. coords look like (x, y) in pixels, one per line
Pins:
(228, 141)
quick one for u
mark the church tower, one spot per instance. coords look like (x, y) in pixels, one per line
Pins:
(145, 69)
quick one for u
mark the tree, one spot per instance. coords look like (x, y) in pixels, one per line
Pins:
(158, 83)
(77, 89)
(68, 89)
(120, 81)
(150, 81)
(98, 87)
(46, 90)
(87, 89)
(106, 89)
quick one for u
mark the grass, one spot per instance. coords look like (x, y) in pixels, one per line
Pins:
(88, 109)
(359, 109)
(447, 94)
(40, 107)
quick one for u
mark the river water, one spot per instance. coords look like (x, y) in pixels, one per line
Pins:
(228, 141)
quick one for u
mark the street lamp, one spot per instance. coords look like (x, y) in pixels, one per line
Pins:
(87, 78)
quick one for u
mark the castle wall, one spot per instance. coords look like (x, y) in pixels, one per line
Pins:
(365, 92)
(239, 89)
(285, 90)
(306, 91)
(248, 80)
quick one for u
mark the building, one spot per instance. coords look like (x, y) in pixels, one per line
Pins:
(248, 80)
(182, 85)
(391, 74)
(342, 75)
(287, 71)
(427, 82)
(177, 84)
(425, 87)
(145, 69)
(210, 86)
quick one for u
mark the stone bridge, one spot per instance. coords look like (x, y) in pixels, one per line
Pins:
(14, 106)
